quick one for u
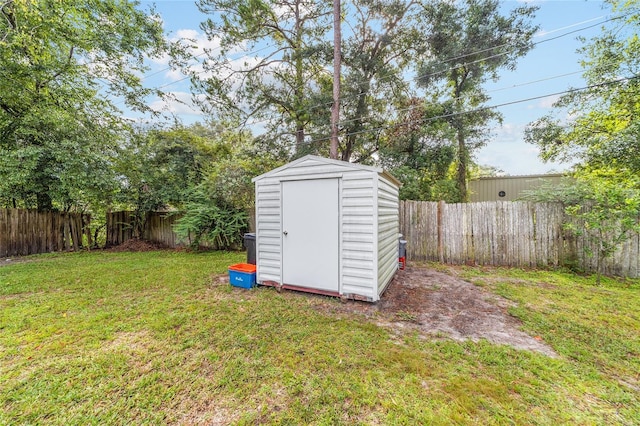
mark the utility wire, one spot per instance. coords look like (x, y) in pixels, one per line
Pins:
(490, 57)
(415, 79)
(410, 108)
(497, 55)
(484, 108)
(444, 61)
(327, 105)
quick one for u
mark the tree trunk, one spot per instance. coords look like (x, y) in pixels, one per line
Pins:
(461, 172)
(463, 152)
(335, 108)
(44, 202)
(299, 82)
(299, 136)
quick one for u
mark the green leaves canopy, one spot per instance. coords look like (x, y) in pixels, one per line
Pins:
(274, 85)
(469, 42)
(603, 132)
(58, 63)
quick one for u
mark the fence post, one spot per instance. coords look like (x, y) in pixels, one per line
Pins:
(439, 225)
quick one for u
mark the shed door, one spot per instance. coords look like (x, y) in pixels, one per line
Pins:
(310, 224)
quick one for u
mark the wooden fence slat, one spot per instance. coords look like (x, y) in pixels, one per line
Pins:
(24, 232)
(487, 233)
(506, 234)
(3, 232)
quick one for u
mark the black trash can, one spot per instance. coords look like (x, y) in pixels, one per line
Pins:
(250, 245)
(402, 254)
(402, 248)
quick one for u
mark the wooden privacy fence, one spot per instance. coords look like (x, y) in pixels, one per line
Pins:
(24, 232)
(154, 226)
(503, 233)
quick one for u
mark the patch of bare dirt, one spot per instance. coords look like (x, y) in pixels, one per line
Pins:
(6, 261)
(137, 245)
(438, 304)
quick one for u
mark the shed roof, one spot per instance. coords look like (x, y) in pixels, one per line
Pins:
(338, 163)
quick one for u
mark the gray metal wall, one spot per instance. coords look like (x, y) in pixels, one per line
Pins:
(489, 188)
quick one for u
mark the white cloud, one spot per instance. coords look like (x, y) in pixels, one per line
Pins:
(508, 152)
(545, 103)
(179, 103)
(196, 43)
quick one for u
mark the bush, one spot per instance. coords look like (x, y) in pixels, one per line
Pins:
(209, 221)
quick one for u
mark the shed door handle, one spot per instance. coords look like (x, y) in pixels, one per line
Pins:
(285, 233)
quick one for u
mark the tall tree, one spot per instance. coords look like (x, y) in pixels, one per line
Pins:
(603, 131)
(602, 135)
(416, 150)
(470, 42)
(384, 41)
(57, 60)
(273, 86)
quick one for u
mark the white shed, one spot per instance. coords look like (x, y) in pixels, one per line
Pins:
(328, 227)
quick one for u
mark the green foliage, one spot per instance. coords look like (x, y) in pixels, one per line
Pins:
(208, 221)
(57, 59)
(610, 214)
(603, 135)
(229, 178)
(289, 87)
(217, 211)
(184, 168)
(160, 167)
(278, 87)
(416, 151)
(57, 160)
(422, 185)
(469, 42)
(385, 40)
(604, 206)
(603, 132)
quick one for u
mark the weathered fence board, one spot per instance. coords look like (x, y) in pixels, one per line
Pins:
(498, 233)
(504, 233)
(24, 232)
(155, 226)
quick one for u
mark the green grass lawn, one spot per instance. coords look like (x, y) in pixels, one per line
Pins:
(158, 337)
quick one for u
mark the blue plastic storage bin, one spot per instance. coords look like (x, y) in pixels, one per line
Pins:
(242, 275)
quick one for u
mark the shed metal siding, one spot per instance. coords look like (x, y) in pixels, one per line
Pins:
(358, 234)
(368, 223)
(268, 230)
(388, 228)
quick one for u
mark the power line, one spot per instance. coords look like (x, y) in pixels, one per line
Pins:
(327, 105)
(444, 61)
(484, 108)
(415, 79)
(494, 56)
(489, 91)
(255, 122)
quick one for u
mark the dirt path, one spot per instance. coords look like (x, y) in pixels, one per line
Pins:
(436, 303)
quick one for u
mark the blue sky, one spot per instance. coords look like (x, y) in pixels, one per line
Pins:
(551, 67)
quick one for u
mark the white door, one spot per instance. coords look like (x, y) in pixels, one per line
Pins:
(310, 244)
